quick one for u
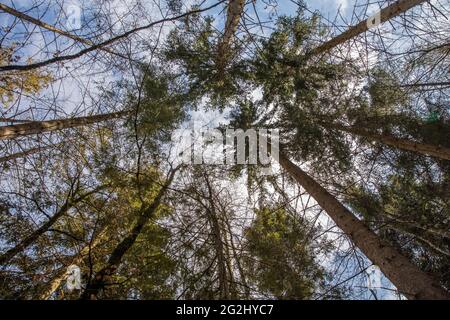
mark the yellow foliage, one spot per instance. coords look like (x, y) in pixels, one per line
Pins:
(19, 82)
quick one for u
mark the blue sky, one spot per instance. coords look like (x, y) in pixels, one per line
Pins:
(71, 91)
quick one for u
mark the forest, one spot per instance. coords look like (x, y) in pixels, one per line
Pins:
(120, 180)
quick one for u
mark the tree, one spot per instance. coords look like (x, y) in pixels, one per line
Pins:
(105, 274)
(37, 127)
(281, 261)
(72, 199)
(58, 279)
(22, 82)
(224, 52)
(207, 248)
(411, 212)
(414, 146)
(362, 179)
(386, 14)
(24, 154)
(304, 86)
(98, 46)
(409, 280)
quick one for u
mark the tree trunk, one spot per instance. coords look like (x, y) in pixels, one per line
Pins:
(36, 127)
(234, 14)
(404, 144)
(10, 120)
(224, 289)
(104, 275)
(409, 280)
(25, 153)
(427, 84)
(25, 243)
(386, 14)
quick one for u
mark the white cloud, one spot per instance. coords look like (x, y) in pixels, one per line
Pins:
(343, 4)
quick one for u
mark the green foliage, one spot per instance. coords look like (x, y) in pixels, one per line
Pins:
(281, 262)
(385, 92)
(299, 91)
(281, 68)
(159, 107)
(146, 269)
(406, 202)
(193, 48)
(412, 212)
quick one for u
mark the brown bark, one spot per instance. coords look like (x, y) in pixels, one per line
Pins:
(13, 120)
(224, 289)
(25, 153)
(237, 258)
(25, 243)
(234, 14)
(36, 127)
(409, 280)
(105, 274)
(386, 14)
(404, 144)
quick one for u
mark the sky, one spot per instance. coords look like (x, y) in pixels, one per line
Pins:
(69, 93)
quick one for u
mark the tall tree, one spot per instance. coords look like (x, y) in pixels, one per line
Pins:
(391, 11)
(281, 261)
(208, 252)
(410, 281)
(105, 274)
(37, 127)
(354, 132)
(224, 52)
(408, 145)
(75, 196)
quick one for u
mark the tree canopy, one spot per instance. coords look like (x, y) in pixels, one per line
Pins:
(92, 177)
